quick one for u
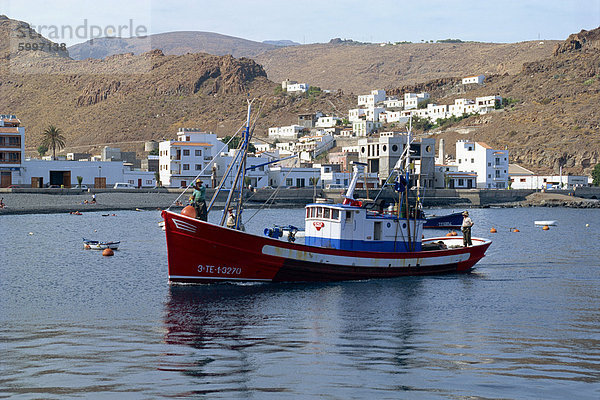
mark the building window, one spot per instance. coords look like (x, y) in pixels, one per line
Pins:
(186, 152)
(289, 182)
(497, 174)
(522, 180)
(461, 182)
(472, 160)
(489, 164)
(198, 153)
(198, 167)
(459, 160)
(130, 181)
(148, 181)
(186, 167)
(489, 175)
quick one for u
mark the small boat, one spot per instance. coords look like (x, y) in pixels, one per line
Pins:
(542, 223)
(453, 220)
(352, 240)
(98, 245)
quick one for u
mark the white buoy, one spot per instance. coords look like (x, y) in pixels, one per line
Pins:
(31, 233)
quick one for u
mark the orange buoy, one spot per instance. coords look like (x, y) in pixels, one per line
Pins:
(545, 228)
(493, 230)
(454, 233)
(108, 252)
(516, 230)
(449, 234)
(189, 211)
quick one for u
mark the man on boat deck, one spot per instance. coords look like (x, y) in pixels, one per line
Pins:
(199, 201)
(230, 218)
(466, 229)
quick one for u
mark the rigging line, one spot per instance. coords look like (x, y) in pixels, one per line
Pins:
(203, 169)
(274, 194)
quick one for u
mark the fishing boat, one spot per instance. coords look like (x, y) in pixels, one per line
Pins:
(98, 245)
(353, 240)
(453, 220)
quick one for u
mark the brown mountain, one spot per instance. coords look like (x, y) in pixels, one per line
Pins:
(126, 99)
(171, 43)
(555, 120)
(359, 68)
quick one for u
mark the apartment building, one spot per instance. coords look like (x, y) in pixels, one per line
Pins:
(12, 149)
(490, 165)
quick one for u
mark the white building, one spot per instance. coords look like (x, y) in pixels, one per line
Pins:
(364, 128)
(522, 178)
(98, 174)
(294, 177)
(256, 170)
(298, 88)
(370, 100)
(490, 165)
(478, 79)
(487, 104)
(412, 100)
(188, 156)
(311, 147)
(392, 102)
(355, 114)
(328, 122)
(448, 177)
(372, 113)
(12, 150)
(286, 132)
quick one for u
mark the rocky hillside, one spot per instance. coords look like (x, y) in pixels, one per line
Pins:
(126, 99)
(359, 68)
(554, 120)
(171, 43)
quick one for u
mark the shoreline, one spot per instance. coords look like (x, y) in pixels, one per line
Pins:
(42, 203)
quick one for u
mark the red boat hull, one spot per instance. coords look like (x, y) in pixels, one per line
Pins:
(201, 252)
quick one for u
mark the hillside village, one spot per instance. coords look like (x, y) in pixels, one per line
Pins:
(553, 96)
(298, 155)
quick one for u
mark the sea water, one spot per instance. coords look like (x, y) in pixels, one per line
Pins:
(524, 325)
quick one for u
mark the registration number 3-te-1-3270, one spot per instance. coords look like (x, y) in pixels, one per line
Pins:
(211, 269)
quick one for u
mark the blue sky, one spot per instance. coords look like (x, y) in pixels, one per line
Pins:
(310, 21)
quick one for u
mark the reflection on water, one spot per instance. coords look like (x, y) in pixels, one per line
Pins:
(524, 325)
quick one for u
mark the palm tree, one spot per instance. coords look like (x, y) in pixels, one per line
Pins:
(53, 138)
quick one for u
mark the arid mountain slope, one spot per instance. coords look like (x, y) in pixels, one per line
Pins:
(359, 68)
(555, 121)
(129, 98)
(171, 43)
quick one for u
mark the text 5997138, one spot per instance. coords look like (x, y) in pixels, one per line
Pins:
(41, 46)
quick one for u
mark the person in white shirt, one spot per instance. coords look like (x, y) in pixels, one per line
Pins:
(466, 229)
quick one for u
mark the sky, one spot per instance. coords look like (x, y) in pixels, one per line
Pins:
(312, 21)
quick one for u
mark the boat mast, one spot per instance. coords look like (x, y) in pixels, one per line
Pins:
(407, 171)
(241, 173)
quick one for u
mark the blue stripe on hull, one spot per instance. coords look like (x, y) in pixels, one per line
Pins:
(361, 245)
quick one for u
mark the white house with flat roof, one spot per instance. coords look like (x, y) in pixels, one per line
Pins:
(412, 100)
(294, 177)
(478, 79)
(286, 132)
(190, 155)
(327, 122)
(522, 178)
(370, 100)
(490, 165)
(298, 87)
